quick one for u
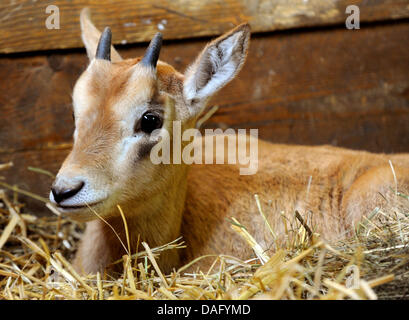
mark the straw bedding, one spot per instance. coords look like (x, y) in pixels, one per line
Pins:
(35, 255)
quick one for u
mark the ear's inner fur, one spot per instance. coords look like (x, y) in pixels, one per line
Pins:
(218, 63)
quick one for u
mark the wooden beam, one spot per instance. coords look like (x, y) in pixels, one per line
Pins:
(23, 28)
(28, 180)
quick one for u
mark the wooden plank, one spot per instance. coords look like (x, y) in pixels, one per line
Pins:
(23, 21)
(34, 182)
(346, 88)
(36, 101)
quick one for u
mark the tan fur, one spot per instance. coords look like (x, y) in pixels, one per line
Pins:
(162, 202)
(345, 186)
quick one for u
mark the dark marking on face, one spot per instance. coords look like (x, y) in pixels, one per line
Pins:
(145, 149)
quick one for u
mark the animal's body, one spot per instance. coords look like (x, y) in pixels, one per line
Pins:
(117, 103)
(345, 185)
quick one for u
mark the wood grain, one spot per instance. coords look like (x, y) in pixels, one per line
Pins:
(34, 182)
(23, 21)
(340, 87)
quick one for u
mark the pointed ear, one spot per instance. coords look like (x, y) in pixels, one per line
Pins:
(218, 64)
(90, 36)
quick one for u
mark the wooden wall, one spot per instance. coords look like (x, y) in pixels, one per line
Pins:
(307, 80)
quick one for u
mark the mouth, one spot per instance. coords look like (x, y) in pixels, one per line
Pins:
(77, 207)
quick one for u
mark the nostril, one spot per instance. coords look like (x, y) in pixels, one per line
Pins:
(61, 194)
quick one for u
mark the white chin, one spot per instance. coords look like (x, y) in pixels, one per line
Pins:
(80, 213)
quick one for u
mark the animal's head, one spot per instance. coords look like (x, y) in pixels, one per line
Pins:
(118, 105)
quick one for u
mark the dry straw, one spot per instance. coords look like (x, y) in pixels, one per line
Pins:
(35, 255)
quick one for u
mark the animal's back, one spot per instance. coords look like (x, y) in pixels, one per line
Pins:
(330, 187)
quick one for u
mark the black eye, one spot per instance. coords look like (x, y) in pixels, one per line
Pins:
(73, 116)
(150, 122)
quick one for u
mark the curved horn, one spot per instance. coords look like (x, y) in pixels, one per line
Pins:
(152, 52)
(104, 45)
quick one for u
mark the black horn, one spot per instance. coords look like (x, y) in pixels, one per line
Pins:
(152, 53)
(104, 45)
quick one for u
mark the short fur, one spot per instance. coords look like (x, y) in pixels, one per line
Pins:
(162, 202)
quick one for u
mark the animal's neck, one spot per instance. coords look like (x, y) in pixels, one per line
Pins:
(156, 220)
